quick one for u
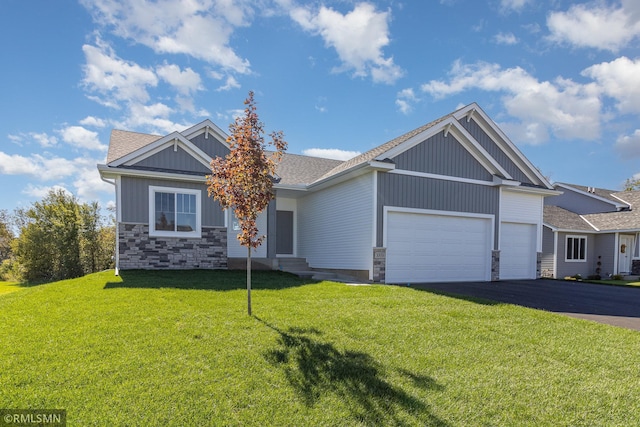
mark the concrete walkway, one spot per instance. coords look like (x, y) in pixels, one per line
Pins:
(613, 305)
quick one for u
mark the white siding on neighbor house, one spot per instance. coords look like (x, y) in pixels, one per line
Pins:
(235, 250)
(335, 225)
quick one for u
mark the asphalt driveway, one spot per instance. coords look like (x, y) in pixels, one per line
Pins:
(614, 305)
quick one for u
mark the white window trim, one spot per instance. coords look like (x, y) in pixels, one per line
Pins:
(566, 242)
(179, 234)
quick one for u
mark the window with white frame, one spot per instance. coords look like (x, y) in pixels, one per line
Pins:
(576, 249)
(174, 212)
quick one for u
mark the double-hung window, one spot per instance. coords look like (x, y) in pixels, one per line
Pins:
(174, 212)
(576, 249)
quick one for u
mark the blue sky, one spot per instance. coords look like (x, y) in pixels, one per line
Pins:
(562, 79)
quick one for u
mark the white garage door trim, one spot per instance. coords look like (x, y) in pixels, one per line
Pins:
(458, 245)
(518, 243)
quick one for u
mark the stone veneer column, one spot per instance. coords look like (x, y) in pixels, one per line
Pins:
(140, 251)
(379, 264)
(495, 266)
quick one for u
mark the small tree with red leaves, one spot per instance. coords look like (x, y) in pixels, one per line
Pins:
(243, 180)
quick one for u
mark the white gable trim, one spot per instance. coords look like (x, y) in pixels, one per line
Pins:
(176, 139)
(442, 177)
(473, 111)
(209, 129)
(451, 126)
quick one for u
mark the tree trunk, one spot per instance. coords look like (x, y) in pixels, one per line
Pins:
(249, 280)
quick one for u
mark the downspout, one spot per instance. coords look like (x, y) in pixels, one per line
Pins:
(116, 252)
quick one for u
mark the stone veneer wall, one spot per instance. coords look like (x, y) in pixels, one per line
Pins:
(495, 265)
(140, 251)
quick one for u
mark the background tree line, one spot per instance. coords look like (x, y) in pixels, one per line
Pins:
(56, 238)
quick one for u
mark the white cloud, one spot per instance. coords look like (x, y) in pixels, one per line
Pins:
(405, 100)
(567, 109)
(596, 25)
(152, 118)
(185, 82)
(41, 191)
(628, 146)
(331, 153)
(38, 166)
(230, 83)
(619, 79)
(81, 137)
(113, 78)
(505, 39)
(93, 121)
(358, 38)
(44, 140)
(199, 28)
(513, 5)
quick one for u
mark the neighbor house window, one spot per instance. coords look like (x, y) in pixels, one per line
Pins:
(576, 248)
(174, 212)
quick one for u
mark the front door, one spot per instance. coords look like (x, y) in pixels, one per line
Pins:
(625, 250)
(284, 232)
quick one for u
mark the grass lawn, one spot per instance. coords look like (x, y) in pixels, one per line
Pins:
(615, 282)
(178, 349)
(6, 287)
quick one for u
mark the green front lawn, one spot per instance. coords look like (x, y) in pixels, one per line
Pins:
(6, 287)
(177, 348)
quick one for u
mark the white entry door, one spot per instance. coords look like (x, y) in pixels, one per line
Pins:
(624, 254)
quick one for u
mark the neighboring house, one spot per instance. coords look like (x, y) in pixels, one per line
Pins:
(452, 200)
(591, 231)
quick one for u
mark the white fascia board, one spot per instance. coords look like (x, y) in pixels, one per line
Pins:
(533, 190)
(501, 139)
(442, 177)
(593, 196)
(382, 166)
(343, 176)
(175, 139)
(113, 172)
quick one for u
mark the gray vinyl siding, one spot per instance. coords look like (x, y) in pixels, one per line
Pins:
(210, 145)
(605, 248)
(579, 203)
(134, 199)
(170, 160)
(548, 255)
(434, 194)
(443, 156)
(584, 269)
(500, 156)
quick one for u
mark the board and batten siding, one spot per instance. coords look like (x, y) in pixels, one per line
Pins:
(170, 160)
(606, 249)
(492, 148)
(235, 249)
(523, 208)
(210, 145)
(335, 225)
(442, 155)
(134, 200)
(433, 194)
(580, 203)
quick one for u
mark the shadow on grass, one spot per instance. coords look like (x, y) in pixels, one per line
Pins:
(215, 280)
(315, 368)
(482, 301)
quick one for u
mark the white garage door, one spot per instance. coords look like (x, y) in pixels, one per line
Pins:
(517, 251)
(437, 248)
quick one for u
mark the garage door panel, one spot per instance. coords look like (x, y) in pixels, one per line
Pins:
(518, 251)
(428, 247)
